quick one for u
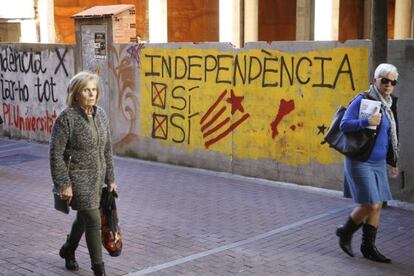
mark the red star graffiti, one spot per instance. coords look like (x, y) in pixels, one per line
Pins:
(235, 102)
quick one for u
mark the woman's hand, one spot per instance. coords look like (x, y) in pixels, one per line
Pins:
(374, 119)
(67, 193)
(394, 172)
(112, 187)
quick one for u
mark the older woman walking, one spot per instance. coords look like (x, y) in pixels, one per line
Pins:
(367, 181)
(80, 162)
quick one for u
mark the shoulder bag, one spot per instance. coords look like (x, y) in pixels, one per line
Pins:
(352, 144)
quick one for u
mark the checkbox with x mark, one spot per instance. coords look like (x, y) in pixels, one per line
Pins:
(158, 94)
(159, 126)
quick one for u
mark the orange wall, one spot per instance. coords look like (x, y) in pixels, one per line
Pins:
(198, 20)
(65, 25)
(193, 20)
(391, 18)
(351, 23)
(277, 20)
(351, 19)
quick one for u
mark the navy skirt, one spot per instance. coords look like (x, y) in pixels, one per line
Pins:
(366, 182)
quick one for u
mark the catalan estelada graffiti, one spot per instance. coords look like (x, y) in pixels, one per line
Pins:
(215, 129)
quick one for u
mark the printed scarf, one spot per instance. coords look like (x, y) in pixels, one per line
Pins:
(374, 93)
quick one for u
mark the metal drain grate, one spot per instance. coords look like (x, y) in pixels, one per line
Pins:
(14, 159)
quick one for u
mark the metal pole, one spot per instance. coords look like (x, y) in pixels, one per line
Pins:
(379, 32)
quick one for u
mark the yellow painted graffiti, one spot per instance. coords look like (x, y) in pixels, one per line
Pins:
(251, 104)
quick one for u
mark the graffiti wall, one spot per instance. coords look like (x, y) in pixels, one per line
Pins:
(33, 80)
(125, 80)
(266, 103)
(211, 106)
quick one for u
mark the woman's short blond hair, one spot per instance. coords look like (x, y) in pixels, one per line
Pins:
(77, 83)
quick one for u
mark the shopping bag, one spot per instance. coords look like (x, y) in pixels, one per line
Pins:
(111, 232)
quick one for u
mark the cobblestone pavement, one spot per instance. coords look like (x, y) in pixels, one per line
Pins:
(185, 221)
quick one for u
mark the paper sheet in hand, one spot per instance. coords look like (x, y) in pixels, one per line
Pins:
(367, 108)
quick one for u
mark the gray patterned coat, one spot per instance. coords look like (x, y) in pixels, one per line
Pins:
(89, 157)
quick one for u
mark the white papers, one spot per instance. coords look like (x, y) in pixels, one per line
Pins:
(368, 108)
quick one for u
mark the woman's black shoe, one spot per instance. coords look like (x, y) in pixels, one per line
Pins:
(99, 269)
(345, 232)
(68, 254)
(368, 248)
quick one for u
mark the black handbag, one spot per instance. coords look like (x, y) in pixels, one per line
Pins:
(357, 144)
(61, 204)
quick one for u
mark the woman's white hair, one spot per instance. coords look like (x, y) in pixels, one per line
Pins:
(384, 69)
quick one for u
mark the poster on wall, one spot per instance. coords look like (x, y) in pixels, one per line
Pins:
(100, 45)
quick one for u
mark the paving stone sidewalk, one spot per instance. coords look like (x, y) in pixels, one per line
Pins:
(185, 221)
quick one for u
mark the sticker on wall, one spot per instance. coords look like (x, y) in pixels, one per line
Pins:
(100, 45)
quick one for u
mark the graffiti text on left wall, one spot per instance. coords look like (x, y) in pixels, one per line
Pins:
(33, 89)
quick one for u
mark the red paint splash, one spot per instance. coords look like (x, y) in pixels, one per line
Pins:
(285, 108)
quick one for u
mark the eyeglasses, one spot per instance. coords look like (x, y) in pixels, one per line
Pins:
(386, 81)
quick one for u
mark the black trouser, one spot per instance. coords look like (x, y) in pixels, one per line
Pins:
(88, 221)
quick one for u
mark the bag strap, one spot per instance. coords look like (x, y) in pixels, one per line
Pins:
(363, 94)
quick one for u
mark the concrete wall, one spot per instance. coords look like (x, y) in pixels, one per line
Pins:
(401, 54)
(33, 81)
(263, 117)
(182, 104)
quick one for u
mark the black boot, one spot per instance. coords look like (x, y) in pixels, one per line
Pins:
(345, 232)
(368, 248)
(67, 252)
(99, 269)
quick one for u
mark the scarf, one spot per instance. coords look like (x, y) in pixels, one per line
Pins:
(374, 93)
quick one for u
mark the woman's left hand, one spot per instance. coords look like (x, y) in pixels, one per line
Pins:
(394, 172)
(112, 187)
